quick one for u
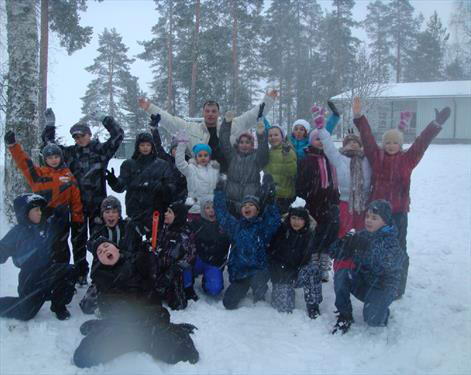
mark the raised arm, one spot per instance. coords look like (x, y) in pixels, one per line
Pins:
(8, 245)
(154, 128)
(225, 136)
(330, 150)
(170, 123)
(180, 162)
(110, 147)
(369, 143)
(227, 222)
(262, 155)
(249, 119)
(25, 164)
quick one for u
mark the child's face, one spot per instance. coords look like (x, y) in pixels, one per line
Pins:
(35, 214)
(373, 222)
(173, 151)
(82, 140)
(145, 148)
(299, 132)
(245, 145)
(392, 147)
(169, 217)
(317, 143)
(210, 213)
(108, 254)
(53, 161)
(249, 210)
(111, 217)
(274, 137)
(203, 158)
(352, 146)
(297, 223)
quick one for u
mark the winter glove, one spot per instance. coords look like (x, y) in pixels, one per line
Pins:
(10, 138)
(333, 108)
(221, 184)
(442, 116)
(154, 121)
(352, 243)
(285, 148)
(111, 177)
(48, 134)
(228, 117)
(318, 116)
(49, 117)
(268, 189)
(182, 137)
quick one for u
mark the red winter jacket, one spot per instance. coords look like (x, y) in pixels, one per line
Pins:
(391, 173)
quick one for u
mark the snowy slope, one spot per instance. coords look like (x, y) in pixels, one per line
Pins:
(429, 330)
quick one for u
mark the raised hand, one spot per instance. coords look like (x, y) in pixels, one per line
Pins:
(272, 93)
(356, 107)
(442, 116)
(182, 137)
(10, 138)
(144, 103)
(49, 117)
(154, 121)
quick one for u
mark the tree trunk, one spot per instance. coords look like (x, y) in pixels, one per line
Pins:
(43, 56)
(170, 101)
(22, 92)
(194, 66)
(235, 62)
(111, 106)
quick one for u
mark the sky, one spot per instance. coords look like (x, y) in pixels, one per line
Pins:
(133, 19)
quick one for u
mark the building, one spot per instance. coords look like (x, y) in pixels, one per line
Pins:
(421, 98)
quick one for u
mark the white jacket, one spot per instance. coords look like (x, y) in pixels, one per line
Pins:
(342, 166)
(201, 181)
(198, 132)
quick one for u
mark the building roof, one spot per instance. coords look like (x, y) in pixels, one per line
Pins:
(437, 89)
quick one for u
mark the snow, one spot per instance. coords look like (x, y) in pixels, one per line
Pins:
(438, 89)
(429, 330)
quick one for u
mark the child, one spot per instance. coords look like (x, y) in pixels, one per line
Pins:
(133, 317)
(354, 178)
(249, 236)
(299, 137)
(180, 180)
(377, 276)
(148, 181)
(245, 163)
(282, 166)
(55, 183)
(212, 246)
(176, 250)
(316, 183)
(290, 263)
(392, 168)
(87, 160)
(201, 173)
(41, 279)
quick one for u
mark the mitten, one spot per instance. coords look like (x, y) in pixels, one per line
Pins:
(182, 137)
(318, 116)
(285, 148)
(48, 134)
(111, 177)
(49, 117)
(10, 138)
(154, 121)
(442, 116)
(268, 189)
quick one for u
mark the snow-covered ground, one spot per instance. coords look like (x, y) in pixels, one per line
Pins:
(429, 330)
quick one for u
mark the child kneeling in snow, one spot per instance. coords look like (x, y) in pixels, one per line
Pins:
(30, 244)
(376, 278)
(290, 263)
(250, 236)
(133, 317)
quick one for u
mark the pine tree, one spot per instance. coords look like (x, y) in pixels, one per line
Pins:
(104, 92)
(425, 62)
(459, 50)
(403, 30)
(22, 90)
(376, 26)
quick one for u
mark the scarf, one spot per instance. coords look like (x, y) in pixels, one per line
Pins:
(356, 199)
(324, 168)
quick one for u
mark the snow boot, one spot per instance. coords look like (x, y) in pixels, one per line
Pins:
(313, 310)
(343, 324)
(61, 312)
(191, 294)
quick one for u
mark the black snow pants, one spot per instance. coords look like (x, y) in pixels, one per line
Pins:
(239, 289)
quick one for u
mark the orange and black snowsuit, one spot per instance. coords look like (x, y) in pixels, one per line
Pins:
(58, 186)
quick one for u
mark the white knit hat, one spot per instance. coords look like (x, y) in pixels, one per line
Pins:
(303, 123)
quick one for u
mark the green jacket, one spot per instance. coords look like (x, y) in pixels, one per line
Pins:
(283, 167)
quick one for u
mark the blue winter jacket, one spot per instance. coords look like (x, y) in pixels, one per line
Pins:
(380, 264)
(249, 237)
(300, 145)
(30, 245)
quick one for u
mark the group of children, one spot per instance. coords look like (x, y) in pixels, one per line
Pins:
(214, 212)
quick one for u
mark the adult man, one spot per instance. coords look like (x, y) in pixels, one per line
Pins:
(88, 160)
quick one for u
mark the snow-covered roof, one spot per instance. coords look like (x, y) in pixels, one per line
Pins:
(420, 90)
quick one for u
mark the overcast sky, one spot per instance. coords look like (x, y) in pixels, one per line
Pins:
(133, 19)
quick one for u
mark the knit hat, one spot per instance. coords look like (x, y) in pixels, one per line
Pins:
(303, 123)
(52, 149)
(313, 136)
(299, 212)
(202, 147)
(110, 203)
(393, 135)
(277, 127)
(181, 211)
(251, 199)
(382, 208)
(98, 242)
(351, 136)
(247, 135)
(80, 128)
